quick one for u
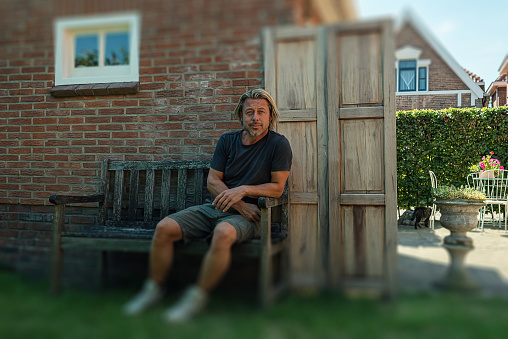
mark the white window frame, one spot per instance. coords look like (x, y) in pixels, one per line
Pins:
(411, 53)
(65, 31)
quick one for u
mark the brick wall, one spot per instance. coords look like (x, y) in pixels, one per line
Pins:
(196, 59)
(410, 102)
(466, 100)
(441, 77)
(501, 92)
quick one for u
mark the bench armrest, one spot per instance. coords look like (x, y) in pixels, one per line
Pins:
(75, 199)
(265, 202)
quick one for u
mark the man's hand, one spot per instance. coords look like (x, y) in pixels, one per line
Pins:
(227, 198)
(249, 211)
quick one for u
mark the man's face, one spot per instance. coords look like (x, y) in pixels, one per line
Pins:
(256, 116)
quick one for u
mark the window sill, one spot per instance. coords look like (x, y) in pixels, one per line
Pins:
(113, 88)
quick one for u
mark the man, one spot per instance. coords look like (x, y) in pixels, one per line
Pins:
(246, 165)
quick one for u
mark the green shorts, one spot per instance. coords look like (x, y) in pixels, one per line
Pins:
(198, 222)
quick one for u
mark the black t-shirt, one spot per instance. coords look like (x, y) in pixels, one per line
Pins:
(251, 164)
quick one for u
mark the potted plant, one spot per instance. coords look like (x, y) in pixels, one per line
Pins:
(486, 164)
(459, 214)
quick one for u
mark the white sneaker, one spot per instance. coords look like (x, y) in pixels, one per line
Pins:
(150, 294)
(192, 302)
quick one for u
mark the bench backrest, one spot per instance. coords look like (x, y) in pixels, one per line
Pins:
(140, 193)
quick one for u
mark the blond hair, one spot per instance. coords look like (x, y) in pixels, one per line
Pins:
(258, 93)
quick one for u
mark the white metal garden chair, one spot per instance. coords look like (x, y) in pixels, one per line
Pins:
(433, 184)
(473, 182)
(496, 190)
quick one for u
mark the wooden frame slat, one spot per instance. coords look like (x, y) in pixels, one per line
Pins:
(390, 230)
(133, 194)
(117, 201)
(165, 190)
(198, 185)
(362, 112)
(164, 164)
(298, 115)
(149, 189)
(362, 199)
(105, 185)
(180, 195)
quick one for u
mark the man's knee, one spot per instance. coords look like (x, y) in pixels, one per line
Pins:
(168, 230)
(224, 235)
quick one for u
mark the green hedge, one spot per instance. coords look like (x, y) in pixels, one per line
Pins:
(446, 142)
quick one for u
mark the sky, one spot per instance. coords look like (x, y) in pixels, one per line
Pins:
(473, 32)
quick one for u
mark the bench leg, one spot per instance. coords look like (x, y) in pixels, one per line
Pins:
(56, 255)
(101, 269)
(265, 265)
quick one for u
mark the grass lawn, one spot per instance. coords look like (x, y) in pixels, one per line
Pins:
(27, 311)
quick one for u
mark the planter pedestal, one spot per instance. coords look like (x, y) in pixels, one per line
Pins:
(457, 277)
(459, 217)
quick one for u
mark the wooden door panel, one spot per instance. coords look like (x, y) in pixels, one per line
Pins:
(362, 232)
(302, 137)
(361, 143)
(362, 156)
(304, 252)
(360, 75)
(296, 89)
(296, 82)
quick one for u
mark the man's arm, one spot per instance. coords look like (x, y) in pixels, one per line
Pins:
(227, 198)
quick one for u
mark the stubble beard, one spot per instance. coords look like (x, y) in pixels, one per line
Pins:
(255, 134)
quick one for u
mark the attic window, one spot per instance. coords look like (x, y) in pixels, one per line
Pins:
(412, 72)
(407, 75)
(97, 49)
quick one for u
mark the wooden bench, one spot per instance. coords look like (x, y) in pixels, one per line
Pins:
(135, 195)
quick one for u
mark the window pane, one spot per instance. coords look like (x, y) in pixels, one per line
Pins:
(87, 51)
(407, 63)
(422, 79)
(117, 49)
(407, 81)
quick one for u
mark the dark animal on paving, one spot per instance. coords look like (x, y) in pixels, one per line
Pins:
(421, 214)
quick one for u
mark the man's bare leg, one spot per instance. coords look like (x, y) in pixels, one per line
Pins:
(218, 258)
(161, 257)
(162, 249)
(215, 265)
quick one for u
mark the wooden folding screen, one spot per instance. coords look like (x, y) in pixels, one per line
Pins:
(334, 87)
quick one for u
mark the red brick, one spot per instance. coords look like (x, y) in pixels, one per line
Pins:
(153, 70)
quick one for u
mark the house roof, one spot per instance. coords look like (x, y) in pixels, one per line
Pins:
(501, 81)
(504, 66)
(417, 23)
(475, 77)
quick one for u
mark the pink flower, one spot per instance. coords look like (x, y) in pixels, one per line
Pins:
(482, 165)
(501, 167)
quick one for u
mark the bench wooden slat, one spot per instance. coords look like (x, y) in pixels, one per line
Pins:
(117, 202)
(133, 194)
(105, 177)
(198, 187)
(180, 195)
(164, 164)
(165, 190)
(149, 187)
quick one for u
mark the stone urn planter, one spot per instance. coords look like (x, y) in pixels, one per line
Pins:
(458, 216)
